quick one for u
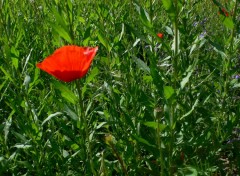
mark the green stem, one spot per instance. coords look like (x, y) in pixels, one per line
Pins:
(119, 159)
(175, 74)
(228, 64)
(70, 20)
(158, 115)
(151, 11)
(175, 25)
(83, 120)
(233, 31)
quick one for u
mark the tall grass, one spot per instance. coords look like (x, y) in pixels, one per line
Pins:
(150, 105)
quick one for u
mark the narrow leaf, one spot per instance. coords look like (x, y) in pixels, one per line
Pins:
(155, 125)
(6, 73)
(144, 141)
(93, 73)
(26, 62)
(62, 32)
(71, 113)
(51, 116)
(103, 40)
(142, 65)
(22, 146)
(7, 125)
(66, 92)
(189, 112)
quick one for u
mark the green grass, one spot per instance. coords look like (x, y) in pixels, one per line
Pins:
(149, 106)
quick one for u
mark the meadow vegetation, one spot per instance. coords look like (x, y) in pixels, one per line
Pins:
(150, 104)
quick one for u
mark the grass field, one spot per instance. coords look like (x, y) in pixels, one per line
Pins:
(162, 95)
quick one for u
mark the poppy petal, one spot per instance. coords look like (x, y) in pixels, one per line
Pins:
(69, 62)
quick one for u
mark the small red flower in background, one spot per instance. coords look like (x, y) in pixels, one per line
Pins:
(69, 63)
(223, 12)
(160, 35)
(182, 156)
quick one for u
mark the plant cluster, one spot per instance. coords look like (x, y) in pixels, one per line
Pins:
(142, 88)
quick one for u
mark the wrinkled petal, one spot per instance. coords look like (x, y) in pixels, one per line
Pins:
(69, 62)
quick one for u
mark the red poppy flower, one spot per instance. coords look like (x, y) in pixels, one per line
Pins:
(160, 35)
(223, 12)
(69, 62)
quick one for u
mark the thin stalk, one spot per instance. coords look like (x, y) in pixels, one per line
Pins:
(119, 159)
(234, 29)
(151, 11)
(175, 25)
(158, 115)
(227, 64)
(172, 122)
(175, 74)
(85, 126)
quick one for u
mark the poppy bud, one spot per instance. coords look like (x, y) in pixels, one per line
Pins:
(160, 35)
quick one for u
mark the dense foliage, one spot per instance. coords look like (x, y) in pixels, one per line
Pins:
(161, 96)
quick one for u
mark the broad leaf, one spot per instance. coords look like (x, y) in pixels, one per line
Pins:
(168, 92)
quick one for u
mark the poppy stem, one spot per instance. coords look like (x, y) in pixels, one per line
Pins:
(85, 125)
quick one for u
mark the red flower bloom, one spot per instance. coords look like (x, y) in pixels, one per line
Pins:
(223, 12)
(69, 62)
(160, 35)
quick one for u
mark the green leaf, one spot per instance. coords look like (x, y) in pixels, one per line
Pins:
(217, 3)
(15, 62)
(190, 70)
(236, 85)
(36, 74)
(62, 32)
(156, 77)
(82, 20)
(144, 16)
(71, 113)
(6, 74)
(144, 141)
(218, 48)
(168, 92)
(227, 21)
(142, 65)
(65, 92)
(122, 32)
(27, 59)
(93, 73)
(65, 153)
(189, 112)
(168, 5)
(22, 146)
(100, 125)
(188, 171)
(60, 19)
(51, 116)
(186, 79)
(7, 125)
(155, 125)
(103, 41)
